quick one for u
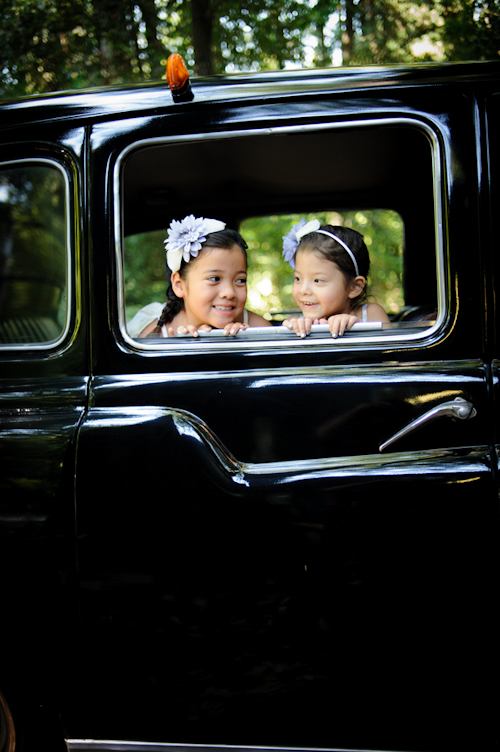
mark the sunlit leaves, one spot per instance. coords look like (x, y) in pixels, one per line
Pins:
(49, 45)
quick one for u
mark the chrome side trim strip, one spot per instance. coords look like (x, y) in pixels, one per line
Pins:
(106, 745)
(254, 475)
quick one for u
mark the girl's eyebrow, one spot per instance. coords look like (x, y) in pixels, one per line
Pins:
(218, 271)
(313, 274)
(211, 271)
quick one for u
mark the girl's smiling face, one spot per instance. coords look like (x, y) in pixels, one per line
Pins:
(215, 288)
(320, 289)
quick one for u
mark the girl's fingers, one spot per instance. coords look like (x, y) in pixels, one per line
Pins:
(189, 329)
(235, 327)
(341, 323)
(301, 327)
(305, 325)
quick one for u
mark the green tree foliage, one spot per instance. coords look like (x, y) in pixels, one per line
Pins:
(50, 45)
(145, 270)
(264, 35)
(471, 29)
(389, 31)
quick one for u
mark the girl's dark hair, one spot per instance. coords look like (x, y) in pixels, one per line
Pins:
(333, 251)
(222, 239)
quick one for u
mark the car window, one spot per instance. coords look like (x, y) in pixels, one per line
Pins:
(382, 179)
(33, 254)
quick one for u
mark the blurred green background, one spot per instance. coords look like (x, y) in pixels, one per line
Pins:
(270, 278)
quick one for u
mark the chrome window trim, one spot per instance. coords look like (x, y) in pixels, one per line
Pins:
(52, 344)
(112, 745)
(174, 346)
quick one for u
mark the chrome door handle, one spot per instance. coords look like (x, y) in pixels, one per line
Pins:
(459, 409)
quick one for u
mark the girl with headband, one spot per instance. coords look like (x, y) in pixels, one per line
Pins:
(208, 283)
(331, 266)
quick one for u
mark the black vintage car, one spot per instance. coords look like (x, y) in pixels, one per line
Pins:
(259, 541)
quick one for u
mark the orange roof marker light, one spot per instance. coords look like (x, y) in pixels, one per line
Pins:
(178, 79)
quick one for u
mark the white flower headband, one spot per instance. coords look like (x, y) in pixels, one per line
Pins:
(298, 231)
(185, 238)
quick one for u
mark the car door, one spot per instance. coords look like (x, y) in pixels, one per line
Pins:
(43, 393)
(286, 543)
(492, 162)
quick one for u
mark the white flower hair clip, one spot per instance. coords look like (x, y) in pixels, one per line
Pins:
(186, 237)
(302, 228)
(291, 242)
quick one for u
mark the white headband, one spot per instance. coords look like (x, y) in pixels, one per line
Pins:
(314, 226)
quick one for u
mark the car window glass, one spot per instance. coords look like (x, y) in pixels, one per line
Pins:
(33, 254)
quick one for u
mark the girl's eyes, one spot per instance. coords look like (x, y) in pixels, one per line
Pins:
(316, 281)
(240, 280)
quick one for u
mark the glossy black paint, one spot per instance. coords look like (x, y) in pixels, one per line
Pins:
(219, 551)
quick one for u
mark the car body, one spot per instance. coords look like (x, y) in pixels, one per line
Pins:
(252, 541)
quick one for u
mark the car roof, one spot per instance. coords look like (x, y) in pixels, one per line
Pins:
(126, 100)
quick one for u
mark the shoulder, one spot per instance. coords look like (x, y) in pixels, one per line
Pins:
(147, 329)
(144, 317)
(375, 312)
(179, 320)
(255, 320)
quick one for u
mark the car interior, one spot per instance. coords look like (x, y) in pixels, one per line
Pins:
(34, 254)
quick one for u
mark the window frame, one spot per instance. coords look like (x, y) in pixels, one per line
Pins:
(50, 344)
(394, 339)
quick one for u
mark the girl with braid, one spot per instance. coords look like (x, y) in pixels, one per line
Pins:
(208, 284)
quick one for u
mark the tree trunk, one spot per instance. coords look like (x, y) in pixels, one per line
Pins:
(155, 50)
(348, 33)
(201, 14)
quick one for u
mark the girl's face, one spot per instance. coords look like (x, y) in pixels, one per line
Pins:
(320, 289)
(215, 288)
